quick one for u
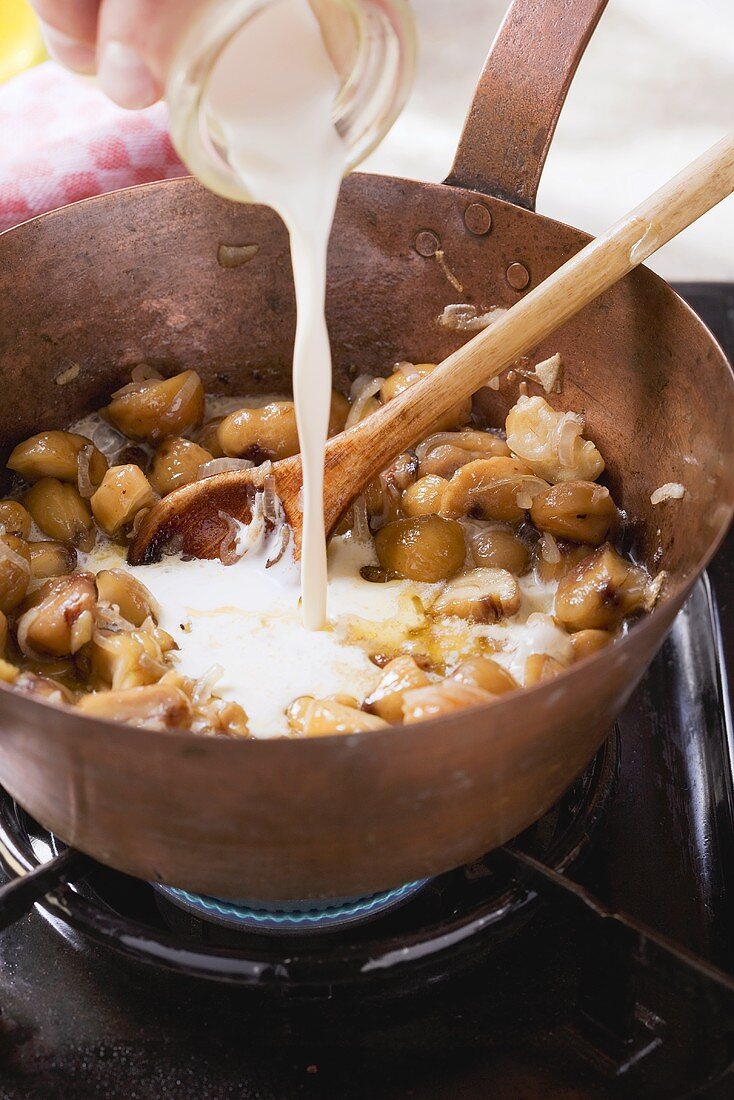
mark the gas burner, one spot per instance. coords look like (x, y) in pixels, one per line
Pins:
(291, 917)
(400, 939)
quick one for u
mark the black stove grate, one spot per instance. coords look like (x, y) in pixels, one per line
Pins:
(456, 916)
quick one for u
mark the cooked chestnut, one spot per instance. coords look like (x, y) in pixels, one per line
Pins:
(57, 454)
(600, 592)
(423, 497)
(124, 491)
(320, 717)
(42, 687)
(407, 374)
(126, 659)
(437, 700)
(157, 706)
(270, 432)
(551, 442)
(15, 519)
(15, 571)
(208, 437)
(155, 408)
(399, 675)
(483, 672)
(482, 595)
(127, 594)
(58, 618)
(176, 463)
(59, 510)
(586, 642)
(8, 672)
(426, 548)
(492, 488)
(580, 511)
(540, 667)
(443, 453)
(51, 559)
(553, 560)
(498, 547)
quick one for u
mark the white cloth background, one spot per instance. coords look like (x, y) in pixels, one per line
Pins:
(655, 88)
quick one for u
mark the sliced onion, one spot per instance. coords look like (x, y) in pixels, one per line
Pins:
(148, 663)
(549, 549)
(569, 429)
(439, 439)
(137, 522)
(468, 440)
(8, 554)
(389, 494)
(673, 490)
(222, 466)
(285, 538)
(84, 481)
(110, 619)
(68, 375)
(105, 438)
(272, 508)
(144, 373)
(364, 385)
(186, 392)
(410, 371)
(361, 526)
(202, 693)
(464, 317)
(527, 485)
(599, 492)
(130, 387)
(228, 548)
(363, 388)
(25, 622)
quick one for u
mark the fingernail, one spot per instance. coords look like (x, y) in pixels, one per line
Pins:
(125, 78)
(70, 52)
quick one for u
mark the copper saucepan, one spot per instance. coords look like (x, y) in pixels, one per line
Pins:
(134, 276)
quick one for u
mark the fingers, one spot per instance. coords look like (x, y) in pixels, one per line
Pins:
(69, 30)
(135, 45)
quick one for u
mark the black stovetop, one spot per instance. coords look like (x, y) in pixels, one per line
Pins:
(592, 959)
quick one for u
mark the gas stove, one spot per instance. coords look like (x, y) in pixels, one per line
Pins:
(590, 958)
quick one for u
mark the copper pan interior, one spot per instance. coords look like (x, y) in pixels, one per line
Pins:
(134, 277)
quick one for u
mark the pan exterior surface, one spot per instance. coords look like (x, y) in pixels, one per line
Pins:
(134, 276)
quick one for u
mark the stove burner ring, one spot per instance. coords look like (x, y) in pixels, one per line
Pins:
(299, 917)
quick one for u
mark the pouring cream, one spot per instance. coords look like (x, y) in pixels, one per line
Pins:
(271, 95)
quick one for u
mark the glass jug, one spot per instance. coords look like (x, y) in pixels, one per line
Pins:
(372, 44)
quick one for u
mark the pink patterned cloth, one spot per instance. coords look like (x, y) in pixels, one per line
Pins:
(62, 140)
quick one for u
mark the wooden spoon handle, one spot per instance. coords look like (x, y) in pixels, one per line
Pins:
(605, 260)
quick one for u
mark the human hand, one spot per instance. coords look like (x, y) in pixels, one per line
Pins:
(128, 43)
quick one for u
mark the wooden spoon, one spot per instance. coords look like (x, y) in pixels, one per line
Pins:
(195, 520)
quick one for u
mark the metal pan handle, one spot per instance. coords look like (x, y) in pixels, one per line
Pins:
(519, 97)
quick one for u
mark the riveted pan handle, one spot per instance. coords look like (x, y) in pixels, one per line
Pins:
(519, 97)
